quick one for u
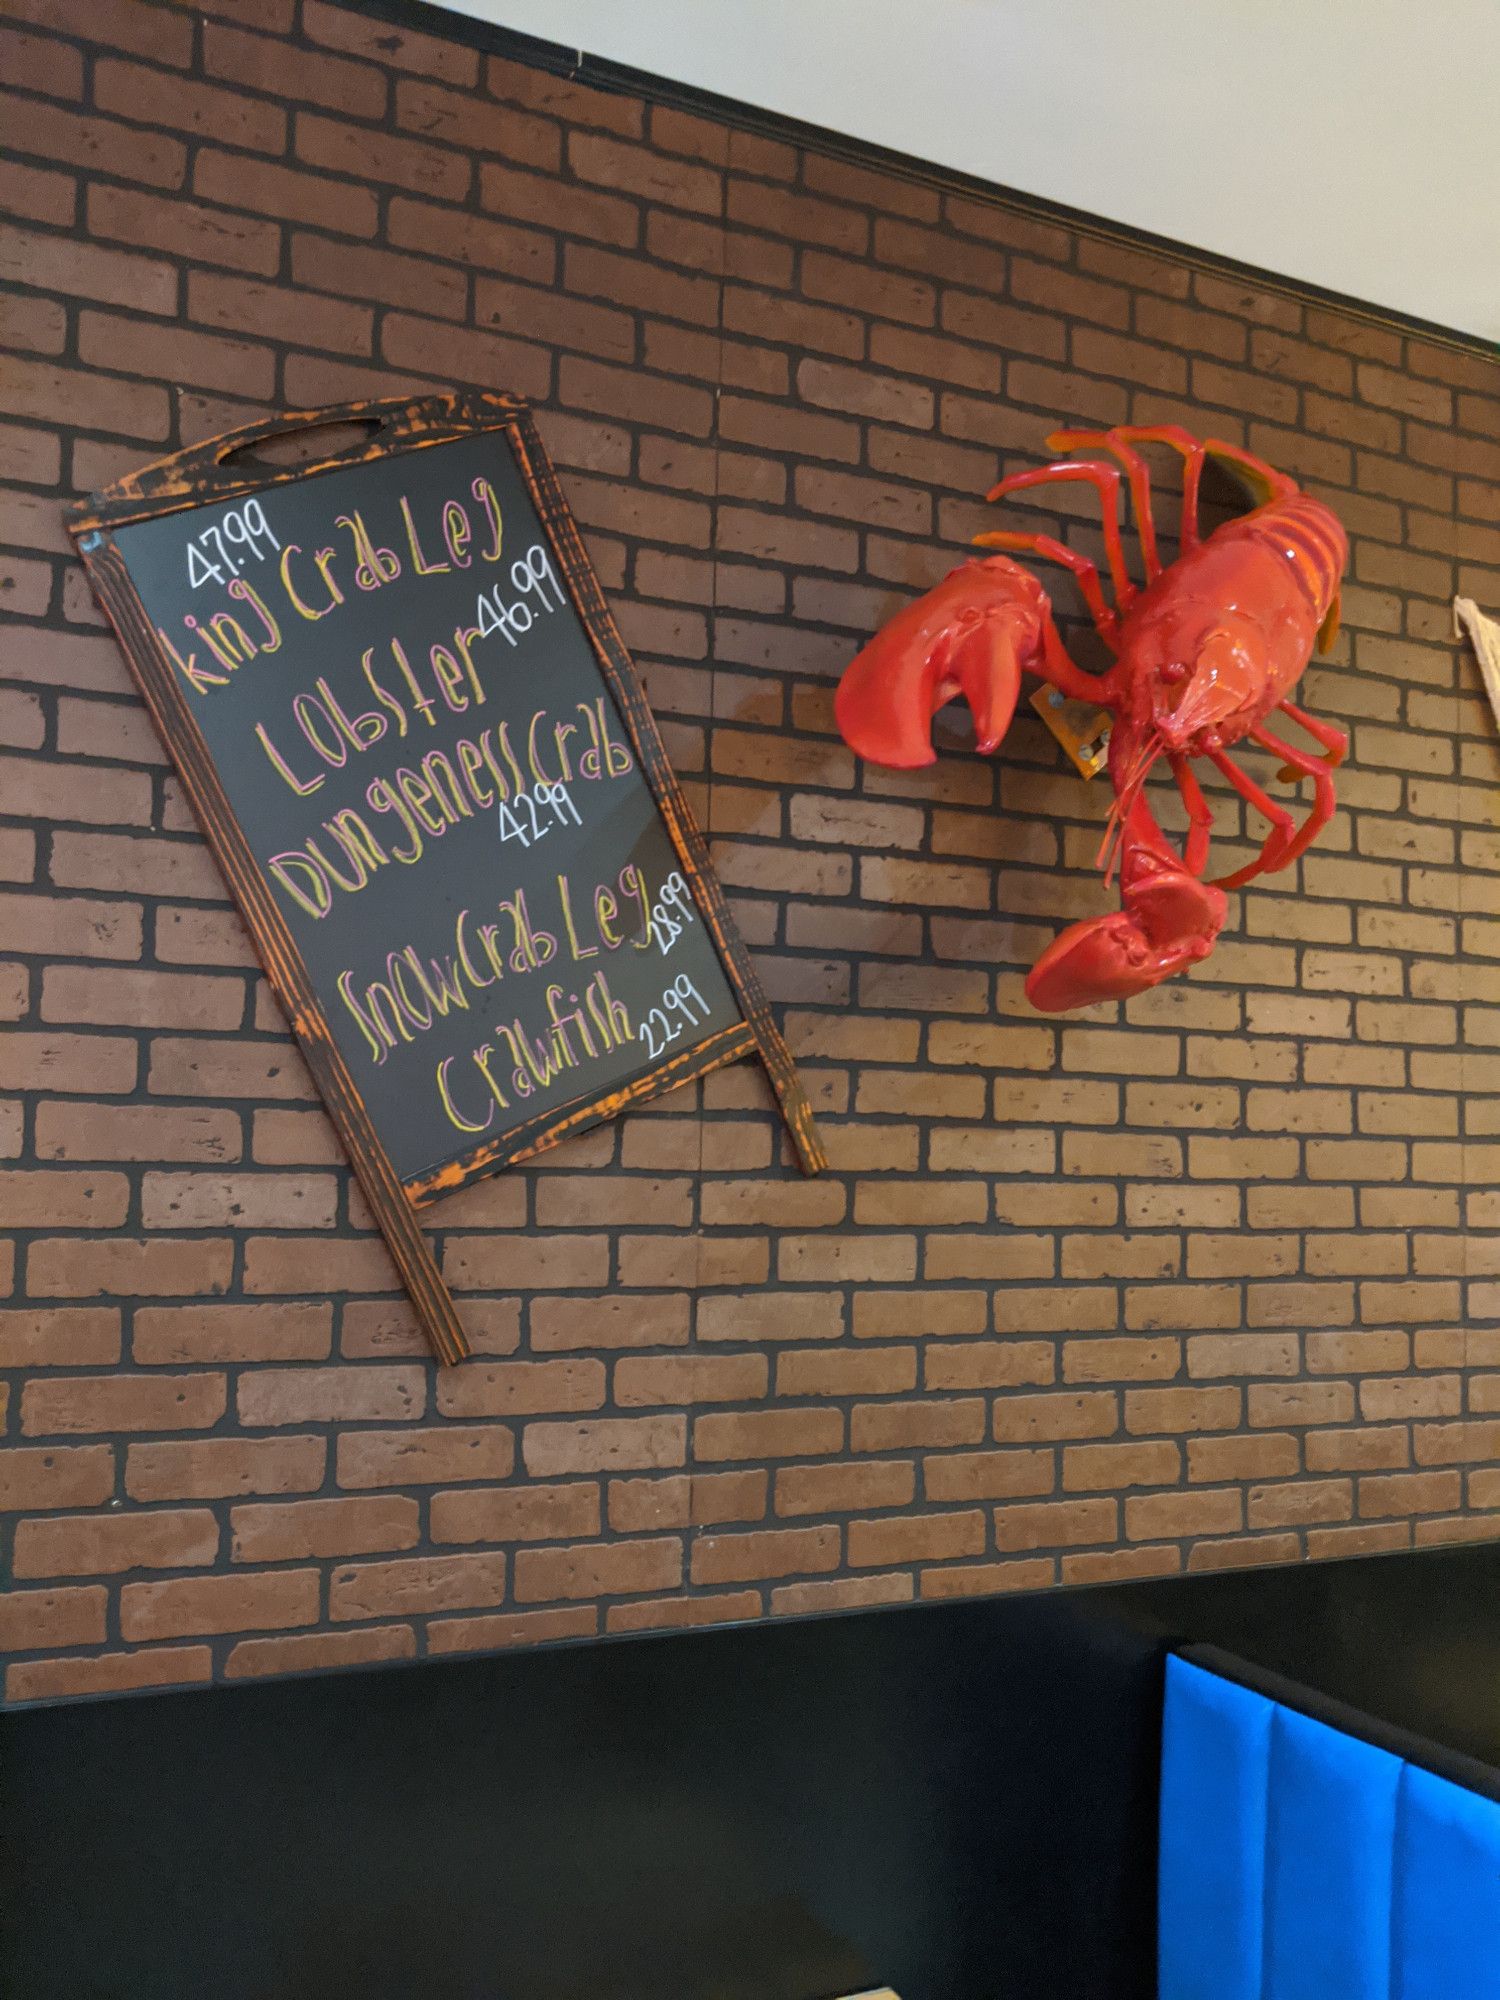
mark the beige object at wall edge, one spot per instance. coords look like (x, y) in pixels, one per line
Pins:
(1484, 634)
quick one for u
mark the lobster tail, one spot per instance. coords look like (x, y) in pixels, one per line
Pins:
(1311, 537)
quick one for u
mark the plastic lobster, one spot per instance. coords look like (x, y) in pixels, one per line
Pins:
(1204, 653)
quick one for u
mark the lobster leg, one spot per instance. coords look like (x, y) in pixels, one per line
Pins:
(1325, 801)
(1334, 741)
(1105, 621)
(1273, 853)
(1106, 481)
(1192, 455)
(1200, 815)
(1286, 841)
(1117, 442)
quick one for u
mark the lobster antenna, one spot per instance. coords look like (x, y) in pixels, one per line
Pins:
(1131, 786)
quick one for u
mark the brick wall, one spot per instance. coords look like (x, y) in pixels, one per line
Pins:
(1213, 1278)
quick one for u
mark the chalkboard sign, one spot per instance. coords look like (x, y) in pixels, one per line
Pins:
(425, 762)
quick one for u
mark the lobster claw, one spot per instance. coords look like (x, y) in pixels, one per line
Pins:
(1170, 919)
(970, 635)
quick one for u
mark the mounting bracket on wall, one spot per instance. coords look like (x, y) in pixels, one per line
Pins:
(1081, 729)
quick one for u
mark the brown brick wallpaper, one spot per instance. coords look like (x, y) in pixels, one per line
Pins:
(1212, 1278)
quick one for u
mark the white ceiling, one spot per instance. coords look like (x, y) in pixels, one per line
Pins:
(1347, 143)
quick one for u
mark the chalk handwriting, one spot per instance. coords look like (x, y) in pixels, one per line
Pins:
(243, 528)
(536, 813)
(681, 998)
(672, 912)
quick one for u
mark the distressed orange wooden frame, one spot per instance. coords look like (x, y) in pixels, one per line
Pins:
(203, 474)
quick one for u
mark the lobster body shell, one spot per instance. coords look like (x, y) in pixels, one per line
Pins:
(1242, 611)
(1204, 654)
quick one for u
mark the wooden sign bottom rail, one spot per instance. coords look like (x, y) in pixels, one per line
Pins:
(524, 1142)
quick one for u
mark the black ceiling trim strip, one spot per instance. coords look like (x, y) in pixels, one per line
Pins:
(601, 74)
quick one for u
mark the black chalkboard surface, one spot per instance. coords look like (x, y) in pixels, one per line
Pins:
(419, 746)
(423, 756)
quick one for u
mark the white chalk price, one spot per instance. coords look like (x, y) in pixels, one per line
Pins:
(659, 1029)
(210, 553)
(532, 814)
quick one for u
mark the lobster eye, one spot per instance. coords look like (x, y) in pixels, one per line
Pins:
(969, 615)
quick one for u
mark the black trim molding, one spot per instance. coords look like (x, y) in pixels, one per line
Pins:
(1364, 1725)
(601, 74)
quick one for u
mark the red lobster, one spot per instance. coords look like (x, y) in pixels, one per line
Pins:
(1203, 654)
